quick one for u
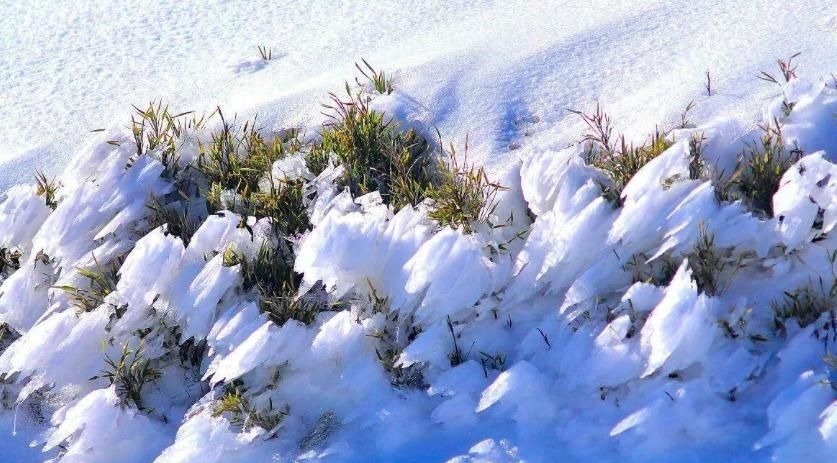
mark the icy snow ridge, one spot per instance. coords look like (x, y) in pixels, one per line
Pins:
(539, 341)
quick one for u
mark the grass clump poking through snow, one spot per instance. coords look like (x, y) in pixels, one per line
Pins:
(707, 263)
(271, 275)
(759, 171)
(155, 131)
(265, 52)
(464, 195)
(379, 80)
(805, 305)
(46, 188)
(130, 373)
(787, 69)
(101, 282)
(612, 154)
(389, 348)
(808, 303)
(240, 412)
(711, 267)
(697, 166)
(374, 154)
(238, 169)
(177, 219)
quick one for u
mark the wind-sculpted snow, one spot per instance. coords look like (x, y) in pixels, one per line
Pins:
(578, 330)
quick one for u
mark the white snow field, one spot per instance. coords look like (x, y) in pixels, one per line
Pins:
(488, 69)
(672, 322)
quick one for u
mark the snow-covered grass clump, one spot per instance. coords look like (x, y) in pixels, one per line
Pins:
(200, 288)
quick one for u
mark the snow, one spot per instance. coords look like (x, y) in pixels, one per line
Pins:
(553, 338)
(502, 72)
(97, 419)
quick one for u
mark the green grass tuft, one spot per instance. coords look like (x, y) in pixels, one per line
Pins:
(379, 80)
(241, 163)
(156, 131)
(759, 171)
(612, 154)
(270, 273)
(707, 263)
(806, 305)
(130, 373)
(464, 196)
(375, 156)
(101, 281)
(235, 406)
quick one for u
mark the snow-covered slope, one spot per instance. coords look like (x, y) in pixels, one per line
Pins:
(674, 324)
(581, 330)
(488, 69)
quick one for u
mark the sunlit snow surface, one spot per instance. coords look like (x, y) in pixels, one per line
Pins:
(484, 69)
(596, 367)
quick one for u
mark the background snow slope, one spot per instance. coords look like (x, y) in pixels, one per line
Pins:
(487, 69)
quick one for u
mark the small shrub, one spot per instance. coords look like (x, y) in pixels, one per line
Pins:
(464, 195)
(47, 188)
(759, 171)
(379, 80)
(243, 414)
(130, 373)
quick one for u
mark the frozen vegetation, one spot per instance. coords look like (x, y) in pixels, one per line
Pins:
(207, 288)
